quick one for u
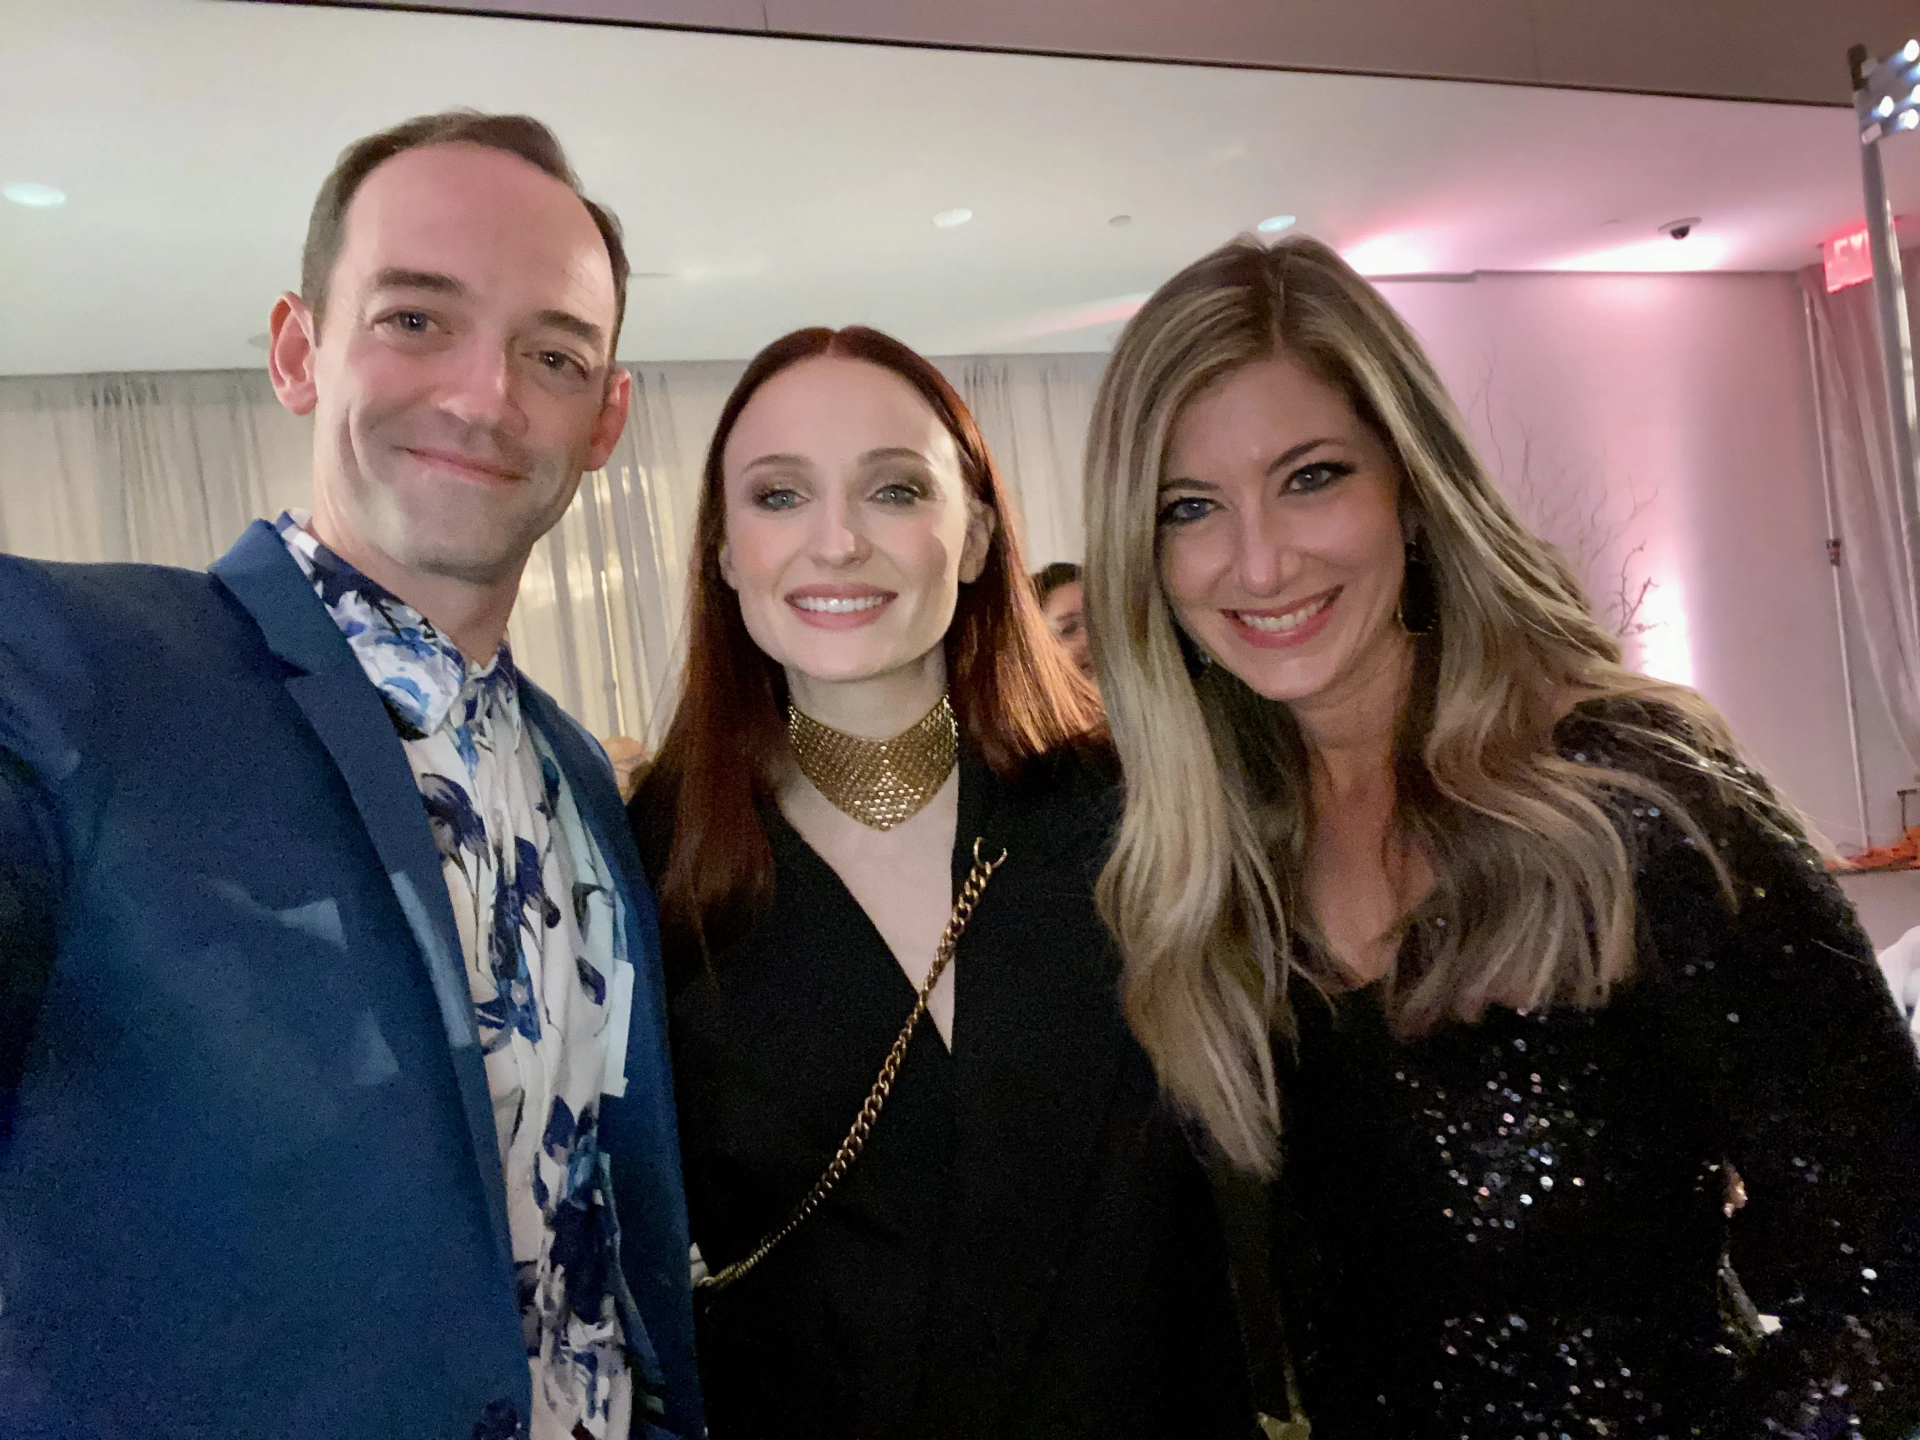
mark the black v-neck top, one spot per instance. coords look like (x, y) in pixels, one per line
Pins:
(1521, 1227)
(1026, 1247)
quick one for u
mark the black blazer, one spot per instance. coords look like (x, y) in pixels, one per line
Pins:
(1027, 1246)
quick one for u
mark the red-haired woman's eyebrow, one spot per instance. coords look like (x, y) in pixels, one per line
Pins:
(780, 458)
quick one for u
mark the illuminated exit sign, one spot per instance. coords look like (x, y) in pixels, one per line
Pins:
(1848, 261)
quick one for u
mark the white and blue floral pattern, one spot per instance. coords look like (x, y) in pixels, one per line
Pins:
(539, 928)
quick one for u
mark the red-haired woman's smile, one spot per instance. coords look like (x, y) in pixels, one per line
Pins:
(839, 607)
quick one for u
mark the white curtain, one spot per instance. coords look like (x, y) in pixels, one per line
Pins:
(169, 467)
(600, 608)
(1033, 412)
(166, 467)
(1875, 560)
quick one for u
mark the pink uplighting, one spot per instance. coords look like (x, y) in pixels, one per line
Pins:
(1658, 255)
(1666, 647)
(1404, 252)
(1848, 260)
(1116, 311)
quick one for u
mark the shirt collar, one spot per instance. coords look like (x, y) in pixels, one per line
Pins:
(419, 671)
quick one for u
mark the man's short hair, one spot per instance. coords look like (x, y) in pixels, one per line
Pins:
(1060, 572)
(519, 135)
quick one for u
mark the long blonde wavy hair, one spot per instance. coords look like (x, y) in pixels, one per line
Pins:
(1532, 902)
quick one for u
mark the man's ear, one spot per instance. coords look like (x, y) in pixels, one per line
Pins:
(292, 348)
(612, 418)
(973, 553)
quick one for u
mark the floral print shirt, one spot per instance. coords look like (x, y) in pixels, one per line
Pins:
(540, 931)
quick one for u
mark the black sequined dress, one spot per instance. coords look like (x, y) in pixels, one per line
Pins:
(1521, 1228)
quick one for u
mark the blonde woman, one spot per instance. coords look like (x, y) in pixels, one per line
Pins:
(1488, 951)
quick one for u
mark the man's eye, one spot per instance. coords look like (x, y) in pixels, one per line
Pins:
(1184, 510)
(409, 322)
(561, 363)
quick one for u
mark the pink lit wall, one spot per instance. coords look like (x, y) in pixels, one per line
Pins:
(1661, 427)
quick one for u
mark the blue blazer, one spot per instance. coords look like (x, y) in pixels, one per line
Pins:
(249, 1183)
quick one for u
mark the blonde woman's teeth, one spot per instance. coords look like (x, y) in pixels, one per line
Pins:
(1289, 620)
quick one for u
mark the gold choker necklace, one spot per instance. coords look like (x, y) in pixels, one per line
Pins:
(877, 782)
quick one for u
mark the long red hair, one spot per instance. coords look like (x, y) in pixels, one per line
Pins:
(1015, 694)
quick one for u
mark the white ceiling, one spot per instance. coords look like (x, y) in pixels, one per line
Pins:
(775, 183)
(1736, 49)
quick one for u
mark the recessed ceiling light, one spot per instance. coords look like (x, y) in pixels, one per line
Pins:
(948, 219)
(38, 197)
(1120, 220)
(1274, 224)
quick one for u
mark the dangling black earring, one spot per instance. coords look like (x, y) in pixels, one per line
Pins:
(1419, 609)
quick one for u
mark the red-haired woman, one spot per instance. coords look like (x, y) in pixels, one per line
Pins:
(874, 826)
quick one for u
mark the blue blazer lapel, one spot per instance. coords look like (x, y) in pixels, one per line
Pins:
(641, 1126)
(346, 713)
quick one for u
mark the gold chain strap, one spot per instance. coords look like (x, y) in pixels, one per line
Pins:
(850, 1148)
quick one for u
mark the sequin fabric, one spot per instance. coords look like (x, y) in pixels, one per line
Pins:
(1694, 1212)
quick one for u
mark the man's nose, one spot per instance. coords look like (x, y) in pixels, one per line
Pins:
(481, 388)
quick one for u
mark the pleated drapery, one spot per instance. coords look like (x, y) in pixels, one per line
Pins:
(1875, 558)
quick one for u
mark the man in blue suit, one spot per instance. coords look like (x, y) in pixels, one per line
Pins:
(333, 1080)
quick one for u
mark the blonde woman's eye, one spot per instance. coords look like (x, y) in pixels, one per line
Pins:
(776, 497)
(900, 492)
(1310, 478)
(1184, 509)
